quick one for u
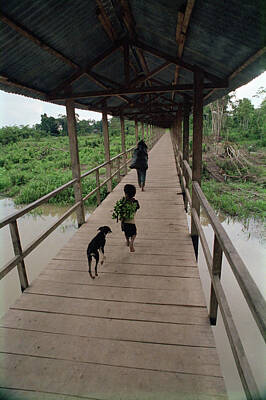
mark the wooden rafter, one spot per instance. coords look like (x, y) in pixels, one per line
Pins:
(12, 83)
(178, 61)
(105, 21)
(181, 30)
(95, 79)
(88, 68)
(249, 61)
(150, 75)
(115, 92)
(40, 43)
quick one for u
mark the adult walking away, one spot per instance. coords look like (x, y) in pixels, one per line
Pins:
(140, 163)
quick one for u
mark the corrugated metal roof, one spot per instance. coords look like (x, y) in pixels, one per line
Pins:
(45, 43)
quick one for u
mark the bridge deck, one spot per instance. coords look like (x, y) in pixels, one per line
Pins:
(138, 331)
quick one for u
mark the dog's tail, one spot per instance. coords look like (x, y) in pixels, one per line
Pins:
(89, 263)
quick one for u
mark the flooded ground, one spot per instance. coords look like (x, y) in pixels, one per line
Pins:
(248, 239)
(30, 226)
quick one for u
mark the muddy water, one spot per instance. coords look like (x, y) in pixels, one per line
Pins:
(247, 238)
(250, 242)
(30, 226)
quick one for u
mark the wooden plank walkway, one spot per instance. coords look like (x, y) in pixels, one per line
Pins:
(138, 331)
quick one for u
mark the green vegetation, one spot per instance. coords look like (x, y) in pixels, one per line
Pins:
(32, 164)
(234, 156)
(35, 161)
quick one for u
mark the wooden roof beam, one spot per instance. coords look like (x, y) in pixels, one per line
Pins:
(88, 67)
(104, 19)
(176, 60)
(181, 30)
(29, 35)
(150, 74)
(95, 79)
(249, 61)
(121, 91)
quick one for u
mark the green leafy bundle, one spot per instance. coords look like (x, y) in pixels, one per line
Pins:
(124, 210)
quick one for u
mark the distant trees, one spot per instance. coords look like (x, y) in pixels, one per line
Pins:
(235, 119)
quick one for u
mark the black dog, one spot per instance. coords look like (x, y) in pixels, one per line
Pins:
(97, 243)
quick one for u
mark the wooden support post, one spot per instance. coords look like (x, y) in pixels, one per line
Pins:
(18, 252)
(142, 129)
(98, 194)
(136, 131)
(186, 146)
(197, 149)
(216, 270)
(123, 143)
(179, 127)
(107, 150)
(118, 168)
(74, 154)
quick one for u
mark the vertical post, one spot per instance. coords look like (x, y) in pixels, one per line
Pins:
(98, 194)
(142, 128)
(186, 145)
(18, 252)
(136, 131)
(216, 270)
(107, 150)
(174, 128)
(123, 143)
(118, 170)
(197, 149)
(179, 127)
(74, 154)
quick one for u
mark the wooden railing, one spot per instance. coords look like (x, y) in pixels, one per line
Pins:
(223, 245)
(119, 162)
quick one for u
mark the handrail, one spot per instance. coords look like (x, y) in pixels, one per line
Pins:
(20, 254)
(254, 298)
(223, 244)
(35, 204)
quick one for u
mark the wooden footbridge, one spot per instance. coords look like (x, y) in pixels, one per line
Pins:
(141, 330)
(138, 331)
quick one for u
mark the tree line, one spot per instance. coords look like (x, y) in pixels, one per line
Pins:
(225, 118)
(236, 120)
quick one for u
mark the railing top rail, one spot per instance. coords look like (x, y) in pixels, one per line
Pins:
(31, 206)
(106, 162)
(189, 170)
(254, 298)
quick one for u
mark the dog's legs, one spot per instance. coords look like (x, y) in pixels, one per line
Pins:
(96, 262)
(104, 258)
(89, 262)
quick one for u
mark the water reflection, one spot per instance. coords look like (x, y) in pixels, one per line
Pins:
(249, 240)
(30, 226)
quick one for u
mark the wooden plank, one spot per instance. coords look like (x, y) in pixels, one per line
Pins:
(43, 285)
(136, 258)
(140, 329)
(104, 382)
(192, 360)
(184, 285)
(109, 328)
(112, 309)
(138, 269)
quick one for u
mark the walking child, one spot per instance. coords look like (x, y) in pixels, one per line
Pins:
(125, 210)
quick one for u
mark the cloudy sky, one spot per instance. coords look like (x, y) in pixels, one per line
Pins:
(20, 110)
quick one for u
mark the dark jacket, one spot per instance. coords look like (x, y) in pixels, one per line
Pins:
(141, 156)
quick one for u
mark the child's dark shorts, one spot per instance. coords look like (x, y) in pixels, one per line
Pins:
(129, 229)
